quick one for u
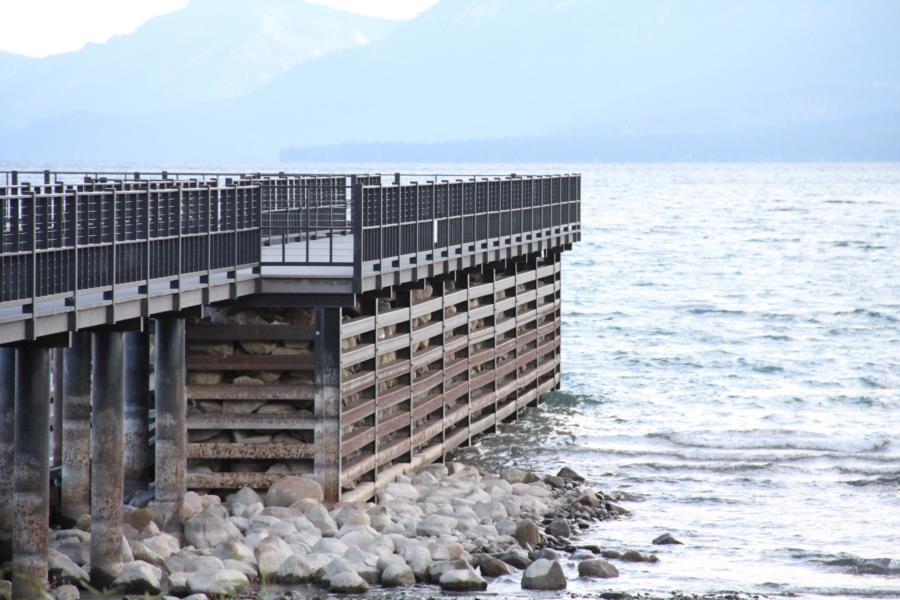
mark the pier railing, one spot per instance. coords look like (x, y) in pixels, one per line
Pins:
(67, 234)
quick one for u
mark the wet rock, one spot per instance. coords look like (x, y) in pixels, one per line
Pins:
(528, 534)
(438, 568)
(347, 582)
(419, 559)
(138, 577)
(547, 553)
(544, 574)
(611, 554)
(582, 554)
(665, 538)
(596, 567)
(517, 557)
(222, 582)
(493, 567)
(462, 580)
(554, 481)
(559, 528)
(635, 556)
(514, 475)
(588, 498)
(567, 473)
(291, 489)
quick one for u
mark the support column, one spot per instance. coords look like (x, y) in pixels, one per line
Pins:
(75, 492)
(327, 462)
(171, 433)
(32, 472)
(7, 448)
(107, 436)
(58, 379)
(137, 412)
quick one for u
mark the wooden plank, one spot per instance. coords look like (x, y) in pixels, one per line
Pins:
(253, 421)
(393, 396)
(356, 469)
(392, 424)
(231, 481)
(428, 382)
(426, 307)
(359, 354)
(251, 451)
(392, 370)
(427, 407)
(357, 326)
(357, 440)
(481, 424)
(357, 412)
(230, 391)
(358, 382)
(251, 362)
(393, 450)
(426, 433)
(455, 391)
(228, 333)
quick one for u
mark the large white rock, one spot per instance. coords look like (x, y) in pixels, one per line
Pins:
(138, 577)
(209, 529)
(462, 580)
(291, 489)
(544, 574)
(347, 582)
(222, 582)
(295, 570)
(270, 555)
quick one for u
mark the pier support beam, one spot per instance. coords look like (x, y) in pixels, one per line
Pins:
(7, 448)
(58, 384)
(32, 472)
(75, 493)
(137, 412)
(327, 462)
(171, 433)
(107, 435)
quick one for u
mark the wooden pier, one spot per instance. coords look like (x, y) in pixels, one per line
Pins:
(349, 328)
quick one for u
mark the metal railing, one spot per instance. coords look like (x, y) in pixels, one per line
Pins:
(64, 233)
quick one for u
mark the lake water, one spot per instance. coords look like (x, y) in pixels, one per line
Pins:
(731, 353)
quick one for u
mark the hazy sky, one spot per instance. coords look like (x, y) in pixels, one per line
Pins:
(43, 27)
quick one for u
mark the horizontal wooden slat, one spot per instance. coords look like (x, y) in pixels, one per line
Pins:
(426, 307)
(423, 409)
(352, 471)
(251, 451)
(393, 450)
(230, 391)
(357, 440)
(224, 481)
(357, 355)
(254, 421)
(392, 424)
(227, 333)
(455, 391)
(358, 382)
(357, 326)
(251, 362)
(393, 396)
(357, 412)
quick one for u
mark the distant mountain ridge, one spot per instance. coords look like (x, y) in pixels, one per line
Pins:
(655, 78)
(210, 50)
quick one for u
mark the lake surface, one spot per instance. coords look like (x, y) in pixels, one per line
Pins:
(731, 353)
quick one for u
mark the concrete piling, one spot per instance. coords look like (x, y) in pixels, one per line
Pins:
(58, 384)
(327, 462)
(32, 471)
(137, 412)
(75, 492)
(107, 441)
(171, 409)
(7, 448)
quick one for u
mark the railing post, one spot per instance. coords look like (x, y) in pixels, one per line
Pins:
(356, 219)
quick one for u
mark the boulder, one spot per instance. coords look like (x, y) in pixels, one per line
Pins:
(62, 569)
(588, 498)
(138, 577)
(419, 559)
(528, 534)
(295, 570)
(493, 567)
(596, 567)
(221, 582)
(235, 551)
(209, 529)
(665, 538)
(438, 568)
(462, 580)
(139, 518)
(347, 582)
(635, 556)
(319, 517)
(435, 526)
(516, 556)
(291, 489)
(514, 475)
(329, 546)
(544, 574)
(547, 553)
(63, 592)
(397, 575)
(245, 496)
(271, 553)
(559, 528)
(567, 473)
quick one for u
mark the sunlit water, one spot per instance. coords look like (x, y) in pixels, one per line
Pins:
(731, 353)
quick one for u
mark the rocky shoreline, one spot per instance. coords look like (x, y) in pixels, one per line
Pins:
(451, 527)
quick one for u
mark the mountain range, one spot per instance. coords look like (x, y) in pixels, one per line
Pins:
(495, 79)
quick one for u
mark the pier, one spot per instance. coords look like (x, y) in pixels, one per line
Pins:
(211, 331)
